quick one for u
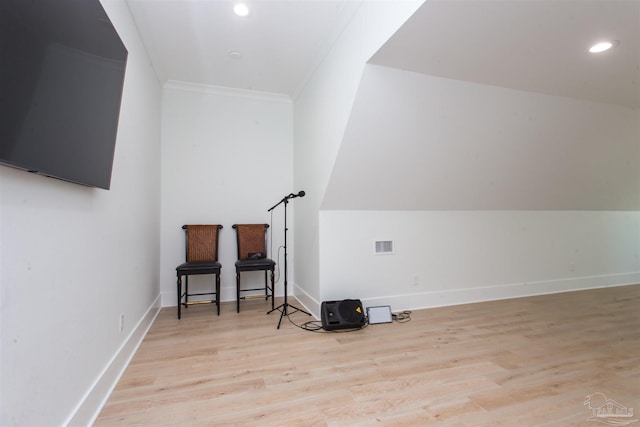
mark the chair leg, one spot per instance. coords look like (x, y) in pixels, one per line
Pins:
(179, 292)
(238, 291)
(218, 293)
(186, 291)
(266, 286)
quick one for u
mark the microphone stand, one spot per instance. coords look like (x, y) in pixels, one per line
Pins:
(284, 308)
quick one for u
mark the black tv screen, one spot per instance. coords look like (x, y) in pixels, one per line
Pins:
(62, 67)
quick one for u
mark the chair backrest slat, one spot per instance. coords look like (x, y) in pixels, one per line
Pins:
(251, 239)
(202, 243)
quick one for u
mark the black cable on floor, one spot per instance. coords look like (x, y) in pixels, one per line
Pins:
(402, 317)
(316, 325)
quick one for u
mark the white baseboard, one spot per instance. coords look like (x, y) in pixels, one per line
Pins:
(446, 297)
(90, 406)
(307, 302)
(443, 298)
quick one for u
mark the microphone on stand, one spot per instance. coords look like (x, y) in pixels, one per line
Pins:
(300, 194)
(286, 198)
(284, 308)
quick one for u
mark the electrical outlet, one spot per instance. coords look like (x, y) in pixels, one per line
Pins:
(416, 280)
(572, 267)
(121, 322)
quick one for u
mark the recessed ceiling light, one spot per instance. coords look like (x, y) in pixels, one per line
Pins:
(241, 9)
(603, 46)
(235, 54)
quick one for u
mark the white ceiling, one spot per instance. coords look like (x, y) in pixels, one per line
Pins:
(531, 45)
(537, 46)
(280, 42)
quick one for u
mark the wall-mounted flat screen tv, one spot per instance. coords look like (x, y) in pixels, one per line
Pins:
(62, 67)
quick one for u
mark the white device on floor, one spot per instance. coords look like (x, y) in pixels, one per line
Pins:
(379, 314)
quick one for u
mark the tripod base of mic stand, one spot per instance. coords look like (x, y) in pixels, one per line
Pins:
(284, 311)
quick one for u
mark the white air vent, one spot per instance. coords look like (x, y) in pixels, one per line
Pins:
(384, 247)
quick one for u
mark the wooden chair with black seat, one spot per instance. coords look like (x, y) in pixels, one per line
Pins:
(201, 243)
(252, 256)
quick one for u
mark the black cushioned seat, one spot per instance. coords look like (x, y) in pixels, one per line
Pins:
(201, 243)
(252, 252)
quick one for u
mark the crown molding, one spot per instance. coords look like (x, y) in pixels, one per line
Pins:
(226, 91)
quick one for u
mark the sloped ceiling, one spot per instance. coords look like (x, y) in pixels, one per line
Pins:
(497, 106)
(538, 46)
(524, 44)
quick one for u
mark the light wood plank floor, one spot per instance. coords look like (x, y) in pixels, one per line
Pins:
(522, 362)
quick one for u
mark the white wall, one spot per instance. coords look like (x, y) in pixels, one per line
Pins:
(487, 192)
(74, 258)
(227, 157)
(321, 114)
(454, 257)
(484, 160)
(422, 142)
